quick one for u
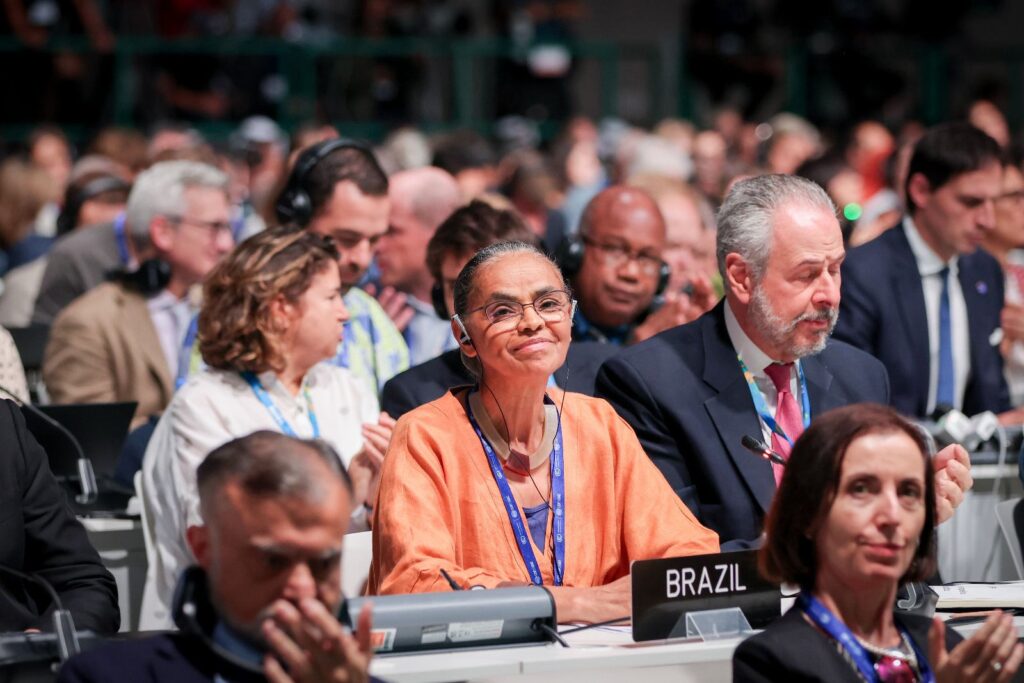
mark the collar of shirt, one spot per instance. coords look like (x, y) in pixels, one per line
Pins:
(928, 262)
(275, 388)
(584, 330)
(755, 359)
(232, 641)
(421, 307)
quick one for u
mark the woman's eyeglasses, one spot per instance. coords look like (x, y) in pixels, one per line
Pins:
(552, 307)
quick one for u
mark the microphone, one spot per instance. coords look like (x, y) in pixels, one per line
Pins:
(63, 623)
(758, 448)
(86, 474)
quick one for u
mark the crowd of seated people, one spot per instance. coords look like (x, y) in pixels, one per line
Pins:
(502, 349)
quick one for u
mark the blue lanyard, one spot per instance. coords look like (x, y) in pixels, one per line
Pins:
(762, 407)
(829, 623)
(122, 240)
(557, 502)
(185, 355)
(275, 412)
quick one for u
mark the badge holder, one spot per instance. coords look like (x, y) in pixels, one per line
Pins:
(717, 624)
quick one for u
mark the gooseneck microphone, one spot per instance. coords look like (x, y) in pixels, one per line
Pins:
(86, 474)
(63, 624)
(761, 450)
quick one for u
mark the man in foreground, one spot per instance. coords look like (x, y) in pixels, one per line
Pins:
(262, 600)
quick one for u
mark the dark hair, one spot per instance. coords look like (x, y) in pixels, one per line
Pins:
(354, 164)
(269, 464)
(948, 150)
(809, 488)
(463, 149)
(471, 228)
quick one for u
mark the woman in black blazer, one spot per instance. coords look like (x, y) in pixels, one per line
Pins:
(854, 518)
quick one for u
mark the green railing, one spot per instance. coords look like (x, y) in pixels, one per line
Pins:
(298, 64)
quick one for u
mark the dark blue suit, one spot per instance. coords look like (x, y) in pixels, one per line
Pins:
(882, 311)
(684, 394)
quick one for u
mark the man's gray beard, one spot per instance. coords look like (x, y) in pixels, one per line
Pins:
(780, 333)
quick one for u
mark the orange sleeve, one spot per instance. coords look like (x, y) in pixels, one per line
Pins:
(655, 522)
(415, 530)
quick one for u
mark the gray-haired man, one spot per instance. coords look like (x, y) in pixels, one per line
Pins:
(123, 340)
(760, 363)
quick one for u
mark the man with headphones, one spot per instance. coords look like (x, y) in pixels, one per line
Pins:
(338, 189)
(263, 599)
(617, 269)
(124, 340)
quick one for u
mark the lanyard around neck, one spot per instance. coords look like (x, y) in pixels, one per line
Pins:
(762, 407)
(823, 618)
(512, 508)
(122, 240)
(275, 412)
(185, 356)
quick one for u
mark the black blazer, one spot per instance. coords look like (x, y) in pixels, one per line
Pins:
(432, 379)
(40, 535)
(684, 394)
(793, 650)
(882, 311)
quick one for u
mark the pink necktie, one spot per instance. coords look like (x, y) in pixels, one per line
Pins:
(787, 414)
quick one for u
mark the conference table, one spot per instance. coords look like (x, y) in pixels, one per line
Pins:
(598, 656)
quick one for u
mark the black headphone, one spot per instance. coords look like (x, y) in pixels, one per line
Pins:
(569, 257)
(151, 277)
(294, 205)
(437, 300)
(68, 216)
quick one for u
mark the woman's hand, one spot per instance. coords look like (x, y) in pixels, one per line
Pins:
(992, 654)
(952, 479)
(376, 438)
(591, 605)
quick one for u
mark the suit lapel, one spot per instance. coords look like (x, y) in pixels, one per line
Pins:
(731, 409)
(141, 335)
(906, 280)
(977, 290)
(819, 381)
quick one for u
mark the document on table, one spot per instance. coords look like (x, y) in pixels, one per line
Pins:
(980, 595)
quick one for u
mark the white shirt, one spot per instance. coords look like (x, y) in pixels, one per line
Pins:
(756, 361)
(929, 265)
(171, 317)
(212, 408)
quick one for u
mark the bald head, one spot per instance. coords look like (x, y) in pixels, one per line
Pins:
(622, 206)
(428, 195)
(421, 199)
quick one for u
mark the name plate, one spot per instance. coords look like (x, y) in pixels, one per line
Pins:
(665, 591)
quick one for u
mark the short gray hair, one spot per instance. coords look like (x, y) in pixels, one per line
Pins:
(748, 212)
(160, 191)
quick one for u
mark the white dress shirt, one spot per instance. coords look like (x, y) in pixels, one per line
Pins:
(212, 408)
(171, 317)
(756, 361)
(930, 266)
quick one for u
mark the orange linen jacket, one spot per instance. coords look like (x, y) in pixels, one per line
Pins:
(439, 507)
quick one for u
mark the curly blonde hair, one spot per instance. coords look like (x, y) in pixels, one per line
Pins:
(236, 329)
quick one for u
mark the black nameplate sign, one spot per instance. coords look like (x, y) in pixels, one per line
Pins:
(665, 591)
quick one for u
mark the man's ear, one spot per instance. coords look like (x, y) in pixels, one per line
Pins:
(739, 277)
(198, 538)
(919, 189)
(162, 233)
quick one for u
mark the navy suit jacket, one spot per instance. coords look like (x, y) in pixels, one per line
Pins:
(684, 394)
(432, 379)
(792, 650)
(882, 311)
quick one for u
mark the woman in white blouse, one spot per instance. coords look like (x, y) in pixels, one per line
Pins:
(272, 311)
